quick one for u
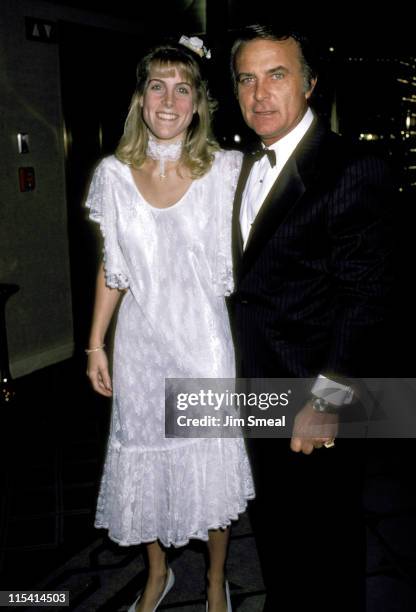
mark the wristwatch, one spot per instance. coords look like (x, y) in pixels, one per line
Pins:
(321, 405)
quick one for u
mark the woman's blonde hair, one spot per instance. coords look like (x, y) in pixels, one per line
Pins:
(199, 145)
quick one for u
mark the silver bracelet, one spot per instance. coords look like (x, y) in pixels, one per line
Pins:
(97, 348)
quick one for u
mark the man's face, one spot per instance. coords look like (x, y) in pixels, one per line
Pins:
(271, 87)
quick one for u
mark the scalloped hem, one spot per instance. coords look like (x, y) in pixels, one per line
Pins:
(202, 537)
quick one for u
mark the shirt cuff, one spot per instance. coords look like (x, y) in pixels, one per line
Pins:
(333, 392)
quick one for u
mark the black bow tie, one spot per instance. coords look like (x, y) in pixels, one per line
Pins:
(259, 153)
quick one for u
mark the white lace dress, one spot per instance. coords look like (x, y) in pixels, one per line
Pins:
(176, 266)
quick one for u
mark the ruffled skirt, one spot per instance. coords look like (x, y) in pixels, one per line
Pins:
(173, 495)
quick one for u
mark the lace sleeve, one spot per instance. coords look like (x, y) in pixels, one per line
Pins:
(228, 168)
(102, 210)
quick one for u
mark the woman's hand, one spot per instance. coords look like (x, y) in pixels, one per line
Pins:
(98, 373)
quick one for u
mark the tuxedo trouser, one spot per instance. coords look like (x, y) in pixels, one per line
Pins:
(308, 522)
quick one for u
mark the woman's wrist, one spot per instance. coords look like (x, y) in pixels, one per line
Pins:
(93, 348)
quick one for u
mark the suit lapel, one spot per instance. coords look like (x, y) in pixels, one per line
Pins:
(237, 239)
(286, 191)
(298, 172)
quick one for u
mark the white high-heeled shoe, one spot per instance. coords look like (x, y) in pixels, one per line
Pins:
(170, 581)
(227, 598)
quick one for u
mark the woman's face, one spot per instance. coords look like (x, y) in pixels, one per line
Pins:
(168, 103)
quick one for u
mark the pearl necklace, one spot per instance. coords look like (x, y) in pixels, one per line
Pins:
(163, 152)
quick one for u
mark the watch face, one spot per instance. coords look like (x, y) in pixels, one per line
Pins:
(321, 405)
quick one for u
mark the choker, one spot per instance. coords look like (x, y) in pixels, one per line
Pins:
(163, 152)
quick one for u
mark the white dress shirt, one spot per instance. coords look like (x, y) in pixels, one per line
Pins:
(260, 180)
(263, 176)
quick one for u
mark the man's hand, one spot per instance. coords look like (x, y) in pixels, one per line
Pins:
(311, 429)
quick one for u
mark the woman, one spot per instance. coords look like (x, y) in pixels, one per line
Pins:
(164, 206)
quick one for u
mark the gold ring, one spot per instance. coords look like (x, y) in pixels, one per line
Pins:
(329, 443)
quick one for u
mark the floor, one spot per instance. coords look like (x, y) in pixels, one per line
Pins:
(52, 446)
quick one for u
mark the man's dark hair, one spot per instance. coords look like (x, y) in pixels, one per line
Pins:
(308, 55)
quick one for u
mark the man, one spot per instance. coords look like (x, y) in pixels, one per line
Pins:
(310, 249)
